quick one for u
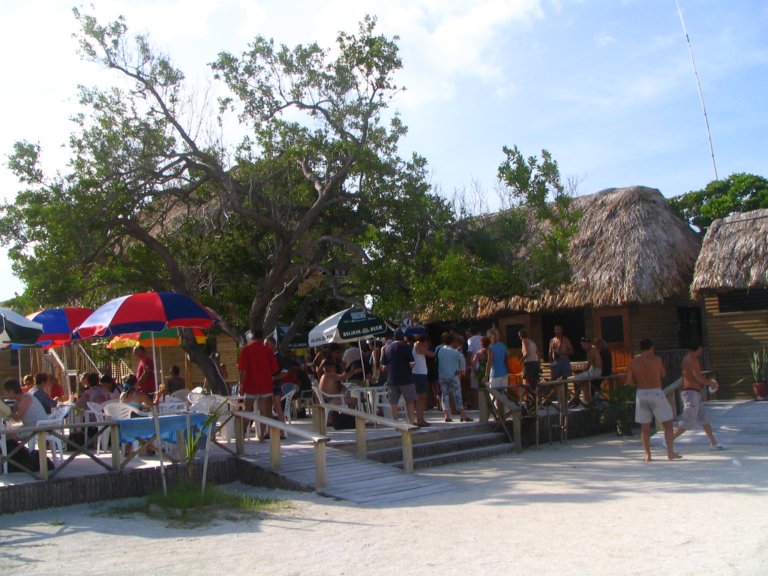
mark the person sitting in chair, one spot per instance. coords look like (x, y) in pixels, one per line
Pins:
(594, 369)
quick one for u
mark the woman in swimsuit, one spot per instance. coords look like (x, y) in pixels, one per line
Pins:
(133, 396)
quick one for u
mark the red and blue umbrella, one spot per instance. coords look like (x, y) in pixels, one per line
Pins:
(145, 312)
(59, 324)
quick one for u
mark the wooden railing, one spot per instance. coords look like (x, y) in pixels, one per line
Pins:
(405, 429)
(275, 428)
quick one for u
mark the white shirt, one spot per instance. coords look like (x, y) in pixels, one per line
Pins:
(420, 363)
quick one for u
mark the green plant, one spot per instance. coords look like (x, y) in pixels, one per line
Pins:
(758, 363)
(619, 409)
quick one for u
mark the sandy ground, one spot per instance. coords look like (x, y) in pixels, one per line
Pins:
(592, 507)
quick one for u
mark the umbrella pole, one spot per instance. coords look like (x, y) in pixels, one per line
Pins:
(156, 418)
(362, 360)
(154, 369)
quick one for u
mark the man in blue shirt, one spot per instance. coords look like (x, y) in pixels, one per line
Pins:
(449, 367)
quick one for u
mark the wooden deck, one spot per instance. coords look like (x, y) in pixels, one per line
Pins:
(352, 479)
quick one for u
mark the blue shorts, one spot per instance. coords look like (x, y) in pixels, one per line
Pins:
(421, 383)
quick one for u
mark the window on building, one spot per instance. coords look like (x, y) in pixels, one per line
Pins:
(688, 325)
(612, 328)
(743, 300)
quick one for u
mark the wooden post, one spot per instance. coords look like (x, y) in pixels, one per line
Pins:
(362, 445)
(483, 404)
(42, 454)
(319, 418)
(517, 431)
(274, 448)
(320, 468)
(239, 432)
(407, 451)
(114, 441)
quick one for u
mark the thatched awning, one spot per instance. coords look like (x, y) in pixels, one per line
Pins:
(734, 255)
(630, 248)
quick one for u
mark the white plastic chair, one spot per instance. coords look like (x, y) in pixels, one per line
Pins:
(53, 442)
(181, 395)
(288, 398)
(97, 410)
(172, 406)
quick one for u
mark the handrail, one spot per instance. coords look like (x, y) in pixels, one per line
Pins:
(80, 347)
(361, 418)
(275, 427)
(55, 430)
(59, 361)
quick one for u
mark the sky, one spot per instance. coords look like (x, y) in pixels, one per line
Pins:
(607, 86)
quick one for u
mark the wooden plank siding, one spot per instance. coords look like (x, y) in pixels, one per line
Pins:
(732, 336)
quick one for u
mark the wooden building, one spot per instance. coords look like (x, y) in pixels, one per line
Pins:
(731, 279)
(632, 261)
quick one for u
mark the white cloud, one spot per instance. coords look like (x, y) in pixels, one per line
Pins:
(604, 39)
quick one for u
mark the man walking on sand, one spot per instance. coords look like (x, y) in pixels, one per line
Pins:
(645, 372)
(694, 410)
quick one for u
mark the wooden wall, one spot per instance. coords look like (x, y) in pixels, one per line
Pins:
(732, 336)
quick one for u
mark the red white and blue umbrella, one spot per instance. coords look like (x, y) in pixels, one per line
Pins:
(145, 312)
(59, 324)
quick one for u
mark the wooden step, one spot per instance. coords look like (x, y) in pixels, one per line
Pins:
(462, 456)
(440, 446)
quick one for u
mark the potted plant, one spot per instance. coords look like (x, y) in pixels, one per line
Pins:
(758, 363)
(619, 409)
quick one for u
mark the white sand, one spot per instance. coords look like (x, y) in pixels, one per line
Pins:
(592, 507)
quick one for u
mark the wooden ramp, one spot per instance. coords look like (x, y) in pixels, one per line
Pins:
(356, 479)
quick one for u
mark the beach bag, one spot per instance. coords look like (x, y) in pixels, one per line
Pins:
(342, 421)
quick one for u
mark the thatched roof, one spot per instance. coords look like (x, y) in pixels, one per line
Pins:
(630, 248)
(734, 255)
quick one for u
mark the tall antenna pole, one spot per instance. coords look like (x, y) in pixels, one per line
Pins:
(698, 85)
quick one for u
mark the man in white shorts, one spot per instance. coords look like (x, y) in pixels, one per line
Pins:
(645, 372)
(694, 410)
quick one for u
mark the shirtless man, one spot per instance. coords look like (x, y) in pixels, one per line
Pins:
(560, 351)
(645, 372)
(594, 369)
(694, 411)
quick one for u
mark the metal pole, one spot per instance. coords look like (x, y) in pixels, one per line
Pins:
(698, 86)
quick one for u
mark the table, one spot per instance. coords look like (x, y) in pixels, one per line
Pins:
(173, 428)
(371, 394)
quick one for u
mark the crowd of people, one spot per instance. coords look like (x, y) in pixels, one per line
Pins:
(448, 376)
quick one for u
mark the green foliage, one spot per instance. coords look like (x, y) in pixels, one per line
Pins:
(534, 186)
(758, 364)
(184, 506)
(720, 198)
(148, 204)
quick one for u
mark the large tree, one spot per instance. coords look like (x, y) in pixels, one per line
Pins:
(151, 201)
(739, 192)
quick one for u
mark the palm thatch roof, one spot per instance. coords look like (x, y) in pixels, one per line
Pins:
(734, 255)
(630, 247)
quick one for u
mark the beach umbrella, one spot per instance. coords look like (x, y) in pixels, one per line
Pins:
(299, 340)
(164, 338)
(145, 312)
(16, 329)
(350, 325)
(59, 324)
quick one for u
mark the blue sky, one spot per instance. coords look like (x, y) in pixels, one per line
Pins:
(605, 85)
